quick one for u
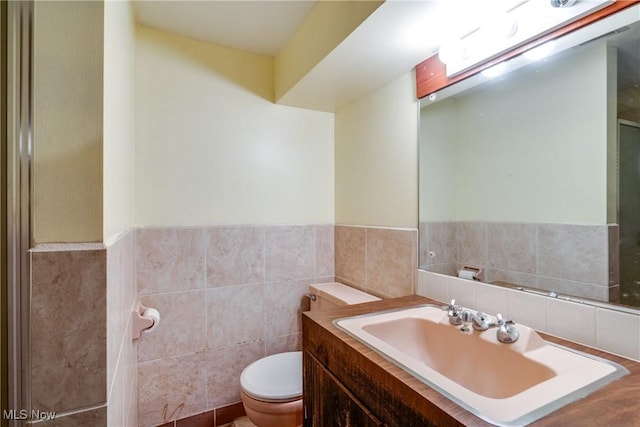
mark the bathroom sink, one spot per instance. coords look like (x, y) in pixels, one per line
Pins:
(504, 384)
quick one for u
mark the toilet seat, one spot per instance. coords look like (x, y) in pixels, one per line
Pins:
(275, 378)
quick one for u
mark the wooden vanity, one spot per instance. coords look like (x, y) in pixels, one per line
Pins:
(348, 384)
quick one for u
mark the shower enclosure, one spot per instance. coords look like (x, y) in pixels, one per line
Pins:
(16, 46)
(629, 211)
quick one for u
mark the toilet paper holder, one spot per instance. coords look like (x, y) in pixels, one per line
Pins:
(470, 273)
(143, 319)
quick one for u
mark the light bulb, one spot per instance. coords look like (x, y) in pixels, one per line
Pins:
(495, 71)
(500, 25)
(452, 51)
(539, 52)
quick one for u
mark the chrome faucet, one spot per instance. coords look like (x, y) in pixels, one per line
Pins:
(458, 315)
(506, 333)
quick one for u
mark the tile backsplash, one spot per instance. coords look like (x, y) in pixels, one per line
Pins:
(608, 330)
(381, 261)
(228, 295)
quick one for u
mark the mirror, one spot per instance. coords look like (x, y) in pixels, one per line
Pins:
(531, 179)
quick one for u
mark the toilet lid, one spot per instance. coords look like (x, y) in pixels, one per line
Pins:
(274, 378)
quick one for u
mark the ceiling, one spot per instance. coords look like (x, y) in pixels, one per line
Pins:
(261, 27)
(388, 44)
(384, 44)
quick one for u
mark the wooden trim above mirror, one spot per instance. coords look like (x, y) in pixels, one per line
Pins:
(431, 74)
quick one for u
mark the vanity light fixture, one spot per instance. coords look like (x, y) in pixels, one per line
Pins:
(452, 50)
(495, 71)
(539, 52)
(500, 25)
(562, 3)
(496, 28)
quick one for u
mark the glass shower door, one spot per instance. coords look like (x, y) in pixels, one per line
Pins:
(629, 211)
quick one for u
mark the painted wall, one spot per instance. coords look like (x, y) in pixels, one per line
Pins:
(119, 118)
(328, 24)
(212, 149)
(526, 149)
(376, 158)
(68, 114)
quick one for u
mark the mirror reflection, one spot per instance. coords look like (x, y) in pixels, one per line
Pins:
(532, 178)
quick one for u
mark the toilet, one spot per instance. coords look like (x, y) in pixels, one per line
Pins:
(271, 387)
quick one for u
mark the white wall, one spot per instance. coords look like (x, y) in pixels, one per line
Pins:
(376, 158)
(211, 147)
(532, 148)
(119, 118)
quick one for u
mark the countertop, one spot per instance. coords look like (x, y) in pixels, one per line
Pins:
(616, 404)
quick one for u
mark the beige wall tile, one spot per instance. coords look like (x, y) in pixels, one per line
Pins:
(172, 388)
(235, 315)
(442, 242)
(235, 255)
(391, 261)
(289, 252)
(614, 255)
(116, 401)
(325, 253)
(284, 303)
(169, 259)
(423, 245)
(472, 243)
(511, 246)
(350, 248)
(68, 329)
(224, 366)
(121, 296)
(574, 252)
(182, 327)
(284, 344)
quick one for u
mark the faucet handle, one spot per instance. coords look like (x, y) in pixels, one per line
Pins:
(453, 311)
(507, 332)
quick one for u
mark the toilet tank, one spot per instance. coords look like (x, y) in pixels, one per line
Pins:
(334, 294)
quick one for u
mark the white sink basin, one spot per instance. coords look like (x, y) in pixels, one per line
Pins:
(504, 384)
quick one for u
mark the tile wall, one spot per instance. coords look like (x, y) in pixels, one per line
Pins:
(380, 261)
(83, 363)
(566, 258)
(612, 331)
(68, 323)
(227, 295)
(122, 385)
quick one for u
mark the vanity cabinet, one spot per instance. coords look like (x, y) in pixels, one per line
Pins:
(332, 404)
(342, 387)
